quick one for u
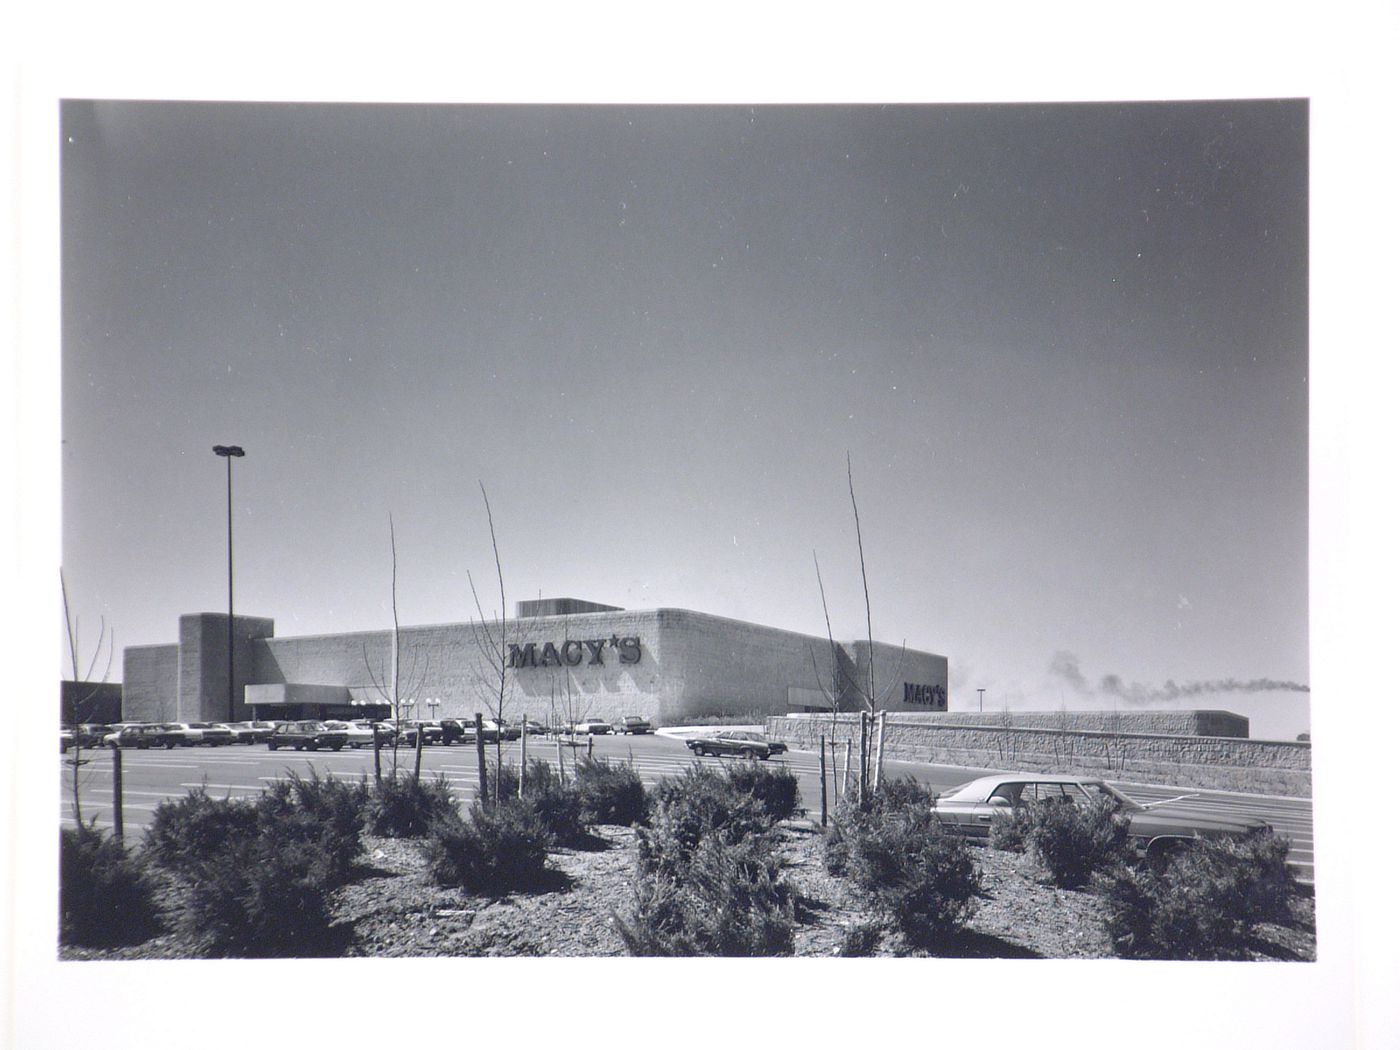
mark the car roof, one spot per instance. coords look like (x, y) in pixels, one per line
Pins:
(987, 783)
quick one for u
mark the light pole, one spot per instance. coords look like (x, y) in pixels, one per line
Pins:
(979, 699)
(229, 453)
(432, 708)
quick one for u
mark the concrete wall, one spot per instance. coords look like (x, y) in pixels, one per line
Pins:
(1171, 723)
(204, 666)
(1226, 763)
(150, 683)
(689, 665)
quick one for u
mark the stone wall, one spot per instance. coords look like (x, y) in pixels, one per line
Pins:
(1170, 723)
(1225, 763)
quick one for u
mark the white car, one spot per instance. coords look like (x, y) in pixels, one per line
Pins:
(592, 726)
(357, 734)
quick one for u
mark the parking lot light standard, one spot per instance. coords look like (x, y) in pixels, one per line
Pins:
(229, 453)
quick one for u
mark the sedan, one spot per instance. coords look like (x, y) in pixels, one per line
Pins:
(1154, 829)
(493, 730)
(592, 726)
(213, 733)
(741, 743)
(357, 734)
(633, 724)
(410, 731)
(305, 736)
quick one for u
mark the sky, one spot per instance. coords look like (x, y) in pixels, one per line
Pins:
(1063, 346)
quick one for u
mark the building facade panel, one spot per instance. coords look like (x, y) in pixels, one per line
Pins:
(667, 665)
(150, 683)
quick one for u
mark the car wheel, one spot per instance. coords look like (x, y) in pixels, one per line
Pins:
(336, 747)
(271, 746)
(170, 745)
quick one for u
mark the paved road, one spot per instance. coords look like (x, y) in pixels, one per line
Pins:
(243, 771)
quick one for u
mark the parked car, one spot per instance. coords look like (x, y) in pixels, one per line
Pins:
(453, 731)
(493, 730)
(1154, 829)
(592, 726)
(91, 734)
(356, 734)
(65, 739)
(534, 728)
(741, 743)
(387, 732)
(144, 735)
(409, 732)
(305, 736)
(633, 724)
(250, 732)
(188, 735)
(212, 733)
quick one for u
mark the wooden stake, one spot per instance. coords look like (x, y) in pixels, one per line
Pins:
(864, 759)
(523, 735)
(846, 770)
(374, 728)
(481, 758)
(559, 751)
(117, 826)
(821, 753)
(879, 747)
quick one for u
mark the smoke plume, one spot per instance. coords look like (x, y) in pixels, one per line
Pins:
(1065, 665)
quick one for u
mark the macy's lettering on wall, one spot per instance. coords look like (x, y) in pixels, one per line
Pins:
(571, 652)
(934, 696)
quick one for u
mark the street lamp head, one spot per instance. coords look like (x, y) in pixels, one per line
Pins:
(227, 450)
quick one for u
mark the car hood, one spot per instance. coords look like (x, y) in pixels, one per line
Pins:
(1161, 820)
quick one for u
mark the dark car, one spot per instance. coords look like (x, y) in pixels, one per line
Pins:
(305, 736)
(1154, 829)
(91, 734)
(452, 731)
(410, 731)
(633, 724)
(741, 743)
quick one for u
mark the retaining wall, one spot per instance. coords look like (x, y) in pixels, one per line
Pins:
(1223, 763)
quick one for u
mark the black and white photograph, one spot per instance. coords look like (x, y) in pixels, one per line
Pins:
(569, 530)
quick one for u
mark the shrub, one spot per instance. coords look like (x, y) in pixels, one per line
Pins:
(324, 813)
(897, 792)
(689, 808)
(894, 796)
(708, 876)
(105, 895)
(262, 897)
(556, 803)
(405, 807)
(1011, 832)
(923, 879)
(1206, 904)
(729, 900)
(610, 794)
(1072, 842)
(188, 832)
(861, 940)
(774, 787)
(498, 849)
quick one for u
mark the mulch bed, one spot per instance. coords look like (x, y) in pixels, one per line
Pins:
(392, 909)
